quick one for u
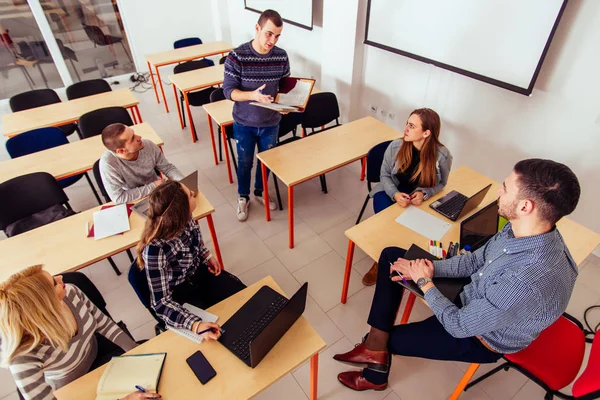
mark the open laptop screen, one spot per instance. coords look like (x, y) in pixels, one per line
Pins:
(476, 230)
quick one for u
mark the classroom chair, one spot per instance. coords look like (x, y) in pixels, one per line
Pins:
(374, 161)
(553, 360)
(95, 34)
(38, 98)
(87, 88)
(139, 282)
(199, 97)
(8, 61)
(191, 41)
(92, 123)
(43, 139)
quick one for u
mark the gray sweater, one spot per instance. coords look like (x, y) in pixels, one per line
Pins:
(127, 181)
(389, 183)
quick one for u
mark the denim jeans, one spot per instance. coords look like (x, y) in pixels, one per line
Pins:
(247, 138)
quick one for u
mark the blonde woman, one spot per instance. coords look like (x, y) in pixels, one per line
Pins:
(47, 332)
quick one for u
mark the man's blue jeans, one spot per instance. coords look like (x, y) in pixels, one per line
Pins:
(247, 138)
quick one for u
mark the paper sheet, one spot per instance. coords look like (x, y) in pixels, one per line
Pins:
(424, 223)
(111, 221)
(297, 96)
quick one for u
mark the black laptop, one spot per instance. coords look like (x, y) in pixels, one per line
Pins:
(456, 205)
(478, 228)
(258, 325)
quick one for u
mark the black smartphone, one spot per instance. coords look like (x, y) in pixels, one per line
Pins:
(201, 367)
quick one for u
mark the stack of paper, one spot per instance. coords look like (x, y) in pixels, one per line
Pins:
(424, 223)
(111, 221)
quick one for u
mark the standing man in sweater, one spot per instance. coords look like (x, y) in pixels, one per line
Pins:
(252, 73)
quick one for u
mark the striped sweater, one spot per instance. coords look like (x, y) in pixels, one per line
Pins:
(247, 70)
(44, 370)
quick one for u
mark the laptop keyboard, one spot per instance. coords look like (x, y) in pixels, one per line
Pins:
(241, 346)
(453, 206)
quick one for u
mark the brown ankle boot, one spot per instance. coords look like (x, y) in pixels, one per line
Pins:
(370, 277)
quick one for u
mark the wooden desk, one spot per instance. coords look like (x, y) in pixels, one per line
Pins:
(189, 81)
(381, 230)
(181, 55)
(234, 379)
(67, 112)
(222, 113)
(64, 246)
(319, 153)
(67, 160)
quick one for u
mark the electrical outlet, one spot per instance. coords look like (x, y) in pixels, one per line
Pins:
(383, 113)
(391, 116)
(373, 109)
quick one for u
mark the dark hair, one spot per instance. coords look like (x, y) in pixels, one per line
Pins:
(552, 186)
(270, 15)
(111, 136)
(168, 214)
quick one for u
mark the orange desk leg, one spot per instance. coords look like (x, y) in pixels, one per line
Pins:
(291, 215)
(314, 376)
(189, 112)
(162, 90)
(153, 83)
(134, 117)
(410, 302)
(213, 235)
(464, 381)
(137, 109)
(363, 171)
(349, 258)
(263, 168)
(178, 108)
(303, 132)
(224, 137)
(212, 140)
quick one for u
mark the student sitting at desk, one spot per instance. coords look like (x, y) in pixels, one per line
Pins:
(521, 282)
(179, 267)
(414, 168)
(48, 334)
(128, 167)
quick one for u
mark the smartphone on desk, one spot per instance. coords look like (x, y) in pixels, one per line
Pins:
(201, 367)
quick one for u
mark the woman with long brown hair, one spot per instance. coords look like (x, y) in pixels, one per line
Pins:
(414, 168)
(179, 267)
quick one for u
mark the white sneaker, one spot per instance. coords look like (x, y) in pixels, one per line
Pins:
(242, 209)
(272, 204)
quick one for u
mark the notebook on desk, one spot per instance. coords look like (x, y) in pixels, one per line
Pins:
(123, 373)
(293, 95)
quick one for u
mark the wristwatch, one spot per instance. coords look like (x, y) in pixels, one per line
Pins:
(423, 281)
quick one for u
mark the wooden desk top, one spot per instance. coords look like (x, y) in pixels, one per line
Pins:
(64, 246)
(69, 159)
(234, 379)
(199, 78)
(64, 112)
(220, 111)
(316, 154)
(188, 53)
(381, 230)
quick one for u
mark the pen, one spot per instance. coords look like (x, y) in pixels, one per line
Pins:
(440, 250)
(210, 329)
(401, 276)
(450, 249)
(141, 389)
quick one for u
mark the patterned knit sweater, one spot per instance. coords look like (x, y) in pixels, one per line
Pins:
(247, 70)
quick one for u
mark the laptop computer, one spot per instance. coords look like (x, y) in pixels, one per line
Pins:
(456, 205)
(258, 325)
(478, 228)
(142, 207)
(449, 287)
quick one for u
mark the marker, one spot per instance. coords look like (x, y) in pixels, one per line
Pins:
(431, 249)
(141, 389)
(450, 249)
(399, 274)
(440, 250)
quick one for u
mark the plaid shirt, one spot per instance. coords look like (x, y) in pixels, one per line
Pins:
(519, 287)
(170, 263)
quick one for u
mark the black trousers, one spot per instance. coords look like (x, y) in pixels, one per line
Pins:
(204, 289)
(424, 339)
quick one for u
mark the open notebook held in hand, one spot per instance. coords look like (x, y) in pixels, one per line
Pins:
(292, 97)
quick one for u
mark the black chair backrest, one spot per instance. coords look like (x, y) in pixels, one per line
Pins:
(95, 34)
(98, 177)
(32, 99)
(191, 41)
(87, 287)
(374, 161)
(139, 282)
(222, 60)
(28, 194)
(87, 88)
(92, 123)
(321, 109)
(217, 95)
(289, 123)
(190, 66)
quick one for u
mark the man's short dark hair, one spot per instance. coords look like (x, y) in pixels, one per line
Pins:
(270, 15)
(111, 136)
(552, 186)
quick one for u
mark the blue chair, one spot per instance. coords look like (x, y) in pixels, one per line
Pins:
(191, 41)
(374, 161)
(43, 139)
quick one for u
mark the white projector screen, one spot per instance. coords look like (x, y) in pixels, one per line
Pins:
(501, 42)
(296, 12)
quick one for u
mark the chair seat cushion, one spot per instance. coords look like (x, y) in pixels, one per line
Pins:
(589, 381)
(200, 97)
(51, 214)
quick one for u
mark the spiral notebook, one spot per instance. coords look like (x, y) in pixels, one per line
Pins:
(123, 373)
(206, 317)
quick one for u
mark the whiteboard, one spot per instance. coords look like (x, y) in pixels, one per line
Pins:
(501, 42)
(296, 12)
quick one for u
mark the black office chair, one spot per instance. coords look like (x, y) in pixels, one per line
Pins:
(374, 161)
(139, 282)
(87, 88)
(38, 98)
(98, 37)
(199, 97)
(92, 123)
(191, 41)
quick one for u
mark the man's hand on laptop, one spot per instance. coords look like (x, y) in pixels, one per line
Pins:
(421, 269)
(401, 265)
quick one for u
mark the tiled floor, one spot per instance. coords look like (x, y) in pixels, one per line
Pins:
(255, 248)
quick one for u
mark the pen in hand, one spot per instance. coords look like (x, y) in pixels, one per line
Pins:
(400, 274)
(141, 389)
(210, 329)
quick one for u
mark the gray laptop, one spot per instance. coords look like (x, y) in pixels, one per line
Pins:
(191, 181)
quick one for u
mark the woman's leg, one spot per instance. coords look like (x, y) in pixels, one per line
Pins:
(381, 201)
